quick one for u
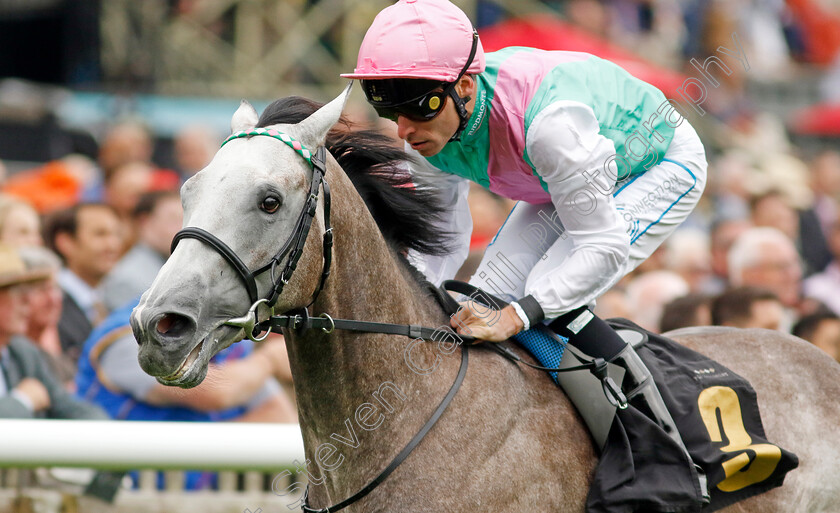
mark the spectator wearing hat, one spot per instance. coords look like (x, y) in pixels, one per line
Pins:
(28, 387)
(45, 311)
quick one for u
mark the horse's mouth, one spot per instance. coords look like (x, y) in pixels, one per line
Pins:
(183, 376)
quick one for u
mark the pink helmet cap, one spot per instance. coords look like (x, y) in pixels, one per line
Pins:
(418, 39)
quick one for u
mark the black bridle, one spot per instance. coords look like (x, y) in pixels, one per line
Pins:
(291, 250)
(300, 320)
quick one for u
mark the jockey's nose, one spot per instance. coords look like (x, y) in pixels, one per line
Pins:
(405, 127)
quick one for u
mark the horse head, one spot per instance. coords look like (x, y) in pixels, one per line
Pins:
(252, 196)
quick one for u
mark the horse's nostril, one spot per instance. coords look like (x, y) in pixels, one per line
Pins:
(172, 324)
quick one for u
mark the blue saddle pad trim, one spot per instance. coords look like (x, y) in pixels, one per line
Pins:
(548, 349)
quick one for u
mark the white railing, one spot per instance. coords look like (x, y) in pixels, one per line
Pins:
(248, 457)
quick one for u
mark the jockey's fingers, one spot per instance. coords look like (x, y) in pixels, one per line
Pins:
(464, 315)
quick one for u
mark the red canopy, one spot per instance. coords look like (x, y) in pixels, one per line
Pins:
(549, 33)
(820, 119)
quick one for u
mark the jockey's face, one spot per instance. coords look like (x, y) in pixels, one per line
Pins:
(429, 137)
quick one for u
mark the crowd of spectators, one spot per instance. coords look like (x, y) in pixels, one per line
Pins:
(80, 241)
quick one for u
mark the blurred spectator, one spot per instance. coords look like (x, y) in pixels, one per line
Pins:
(3, 173)
(195, 146)
(88, 239)
(763, 35)
(825, 183)
(590, 15)
(825, 286)
(127, 141)
(27, 386)
(157, 218)
(19, 223)
(821, 329)
(748, 307)
(813, 243)
(124, 186)
(239, 385)
(765, 257)
(723, 234)
(773, 209)
(127, 184)
(126, 144)
(648, 293)
(686, 311)
(729, 179)
(44, 298)
(653, 29)
(687, 254)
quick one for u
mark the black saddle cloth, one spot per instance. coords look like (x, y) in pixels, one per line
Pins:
(716, 412)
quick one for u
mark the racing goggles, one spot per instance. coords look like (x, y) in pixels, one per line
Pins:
(425, 98)
(417, 99)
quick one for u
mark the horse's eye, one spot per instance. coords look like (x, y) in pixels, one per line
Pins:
(270, 204)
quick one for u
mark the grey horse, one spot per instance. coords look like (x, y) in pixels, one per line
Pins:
(510, 440)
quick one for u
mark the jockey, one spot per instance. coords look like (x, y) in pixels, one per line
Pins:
(604, 168)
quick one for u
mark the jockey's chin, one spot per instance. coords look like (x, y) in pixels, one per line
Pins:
(429, 137)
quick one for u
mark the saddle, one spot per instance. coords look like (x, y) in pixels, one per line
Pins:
(640, 468)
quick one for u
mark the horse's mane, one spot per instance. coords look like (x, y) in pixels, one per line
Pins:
(405, 214)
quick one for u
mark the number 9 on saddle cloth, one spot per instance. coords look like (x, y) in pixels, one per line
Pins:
(639, 463)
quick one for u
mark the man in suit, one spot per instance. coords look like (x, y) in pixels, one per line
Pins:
(88, 239)
(28, 387)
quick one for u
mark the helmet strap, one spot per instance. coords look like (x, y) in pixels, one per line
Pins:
(461, 103)
(463, 115)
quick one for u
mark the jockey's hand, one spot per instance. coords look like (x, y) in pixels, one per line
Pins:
(486, 323)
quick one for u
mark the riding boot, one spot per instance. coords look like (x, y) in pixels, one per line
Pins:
(643, 393)
(596, 338)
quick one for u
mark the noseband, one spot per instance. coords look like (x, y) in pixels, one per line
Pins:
(292, 248)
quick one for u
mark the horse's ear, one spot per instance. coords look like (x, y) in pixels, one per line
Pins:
(244, 119)
(313, 130)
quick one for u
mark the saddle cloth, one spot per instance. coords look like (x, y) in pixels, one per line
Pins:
(716, 412)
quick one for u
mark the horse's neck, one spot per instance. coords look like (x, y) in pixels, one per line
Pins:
(357, 389)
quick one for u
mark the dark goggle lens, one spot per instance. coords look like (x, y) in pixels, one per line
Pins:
(422, 109)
